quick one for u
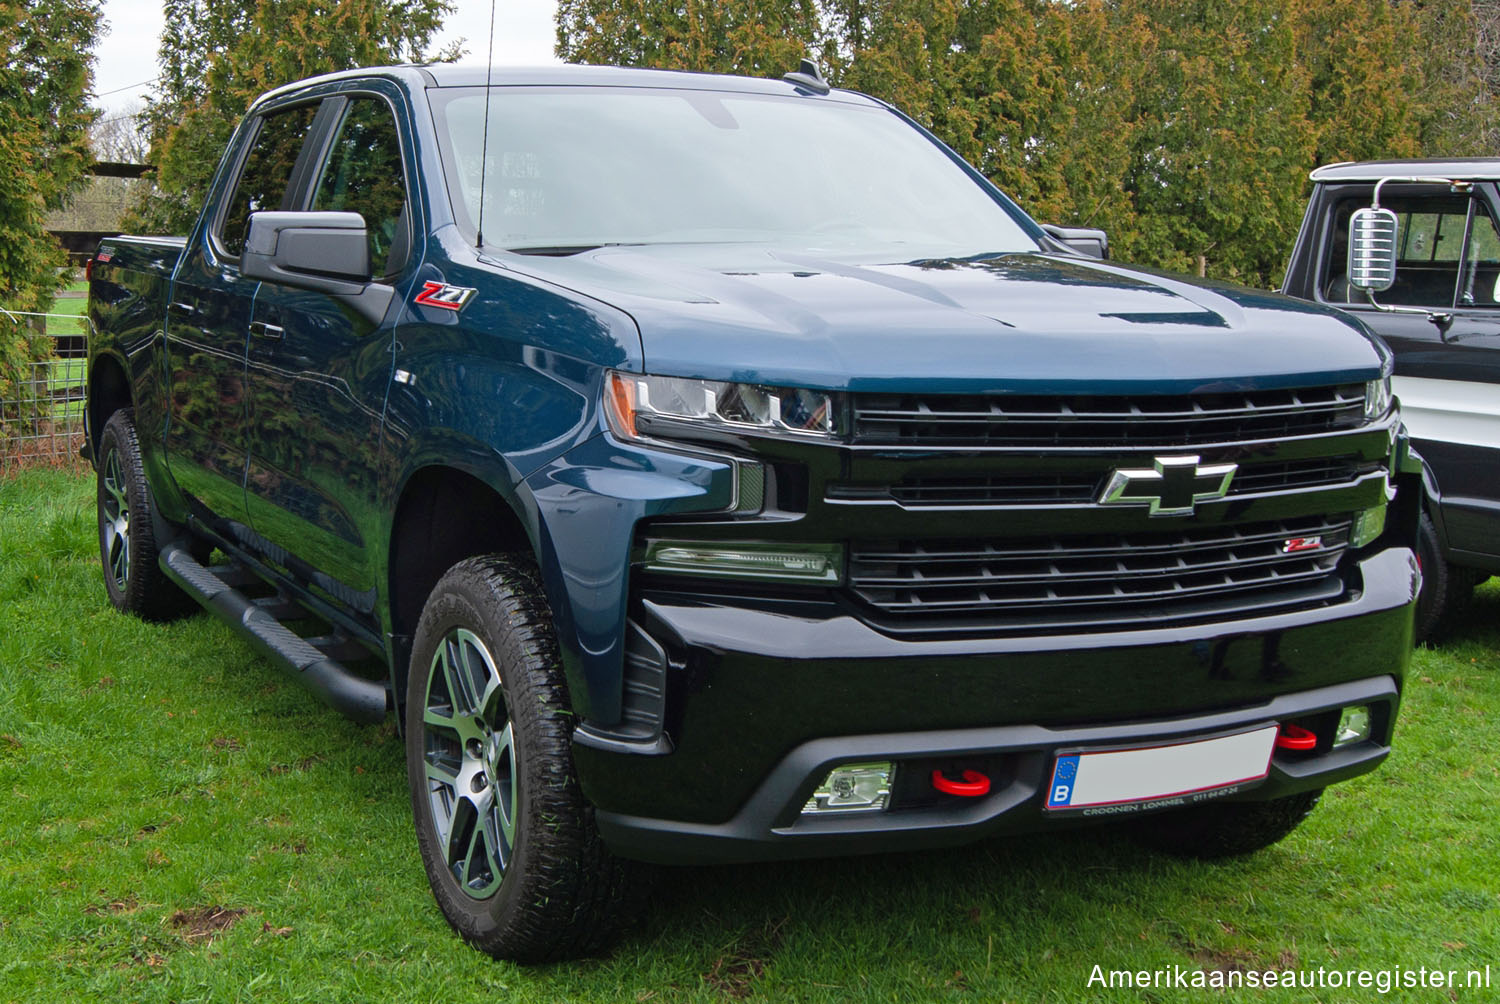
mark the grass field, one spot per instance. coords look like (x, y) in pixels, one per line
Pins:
(181, 824)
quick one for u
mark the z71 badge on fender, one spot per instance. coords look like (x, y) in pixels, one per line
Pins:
(440, 294)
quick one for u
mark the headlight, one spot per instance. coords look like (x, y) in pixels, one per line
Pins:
(1377, 398)
(632, 400)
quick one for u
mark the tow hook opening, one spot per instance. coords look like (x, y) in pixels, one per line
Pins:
(1296, 738)
(973, 785)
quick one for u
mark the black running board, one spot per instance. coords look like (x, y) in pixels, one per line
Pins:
(346, 692)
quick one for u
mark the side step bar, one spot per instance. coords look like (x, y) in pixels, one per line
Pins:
(347, 693)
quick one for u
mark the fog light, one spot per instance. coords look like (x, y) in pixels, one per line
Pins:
(854, 787)
(1354, 726)
(1367, 526)
(799, 563)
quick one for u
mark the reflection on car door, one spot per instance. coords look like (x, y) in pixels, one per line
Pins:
(208, 320)
(319, 372)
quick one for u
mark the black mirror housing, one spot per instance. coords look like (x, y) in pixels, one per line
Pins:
(323, 252)
(309, 250)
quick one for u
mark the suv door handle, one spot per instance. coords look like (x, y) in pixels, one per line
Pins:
(264, 330)
(179, 309)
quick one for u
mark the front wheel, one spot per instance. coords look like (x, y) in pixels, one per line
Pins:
(506, 837)
(1226, 829)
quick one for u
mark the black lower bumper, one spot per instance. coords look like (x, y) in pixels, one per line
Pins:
(764, 700)
(770, 825)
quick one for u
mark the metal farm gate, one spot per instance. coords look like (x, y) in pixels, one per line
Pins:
(41, 416)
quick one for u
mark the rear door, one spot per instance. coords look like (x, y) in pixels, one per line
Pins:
(319, 371)
(209, 314)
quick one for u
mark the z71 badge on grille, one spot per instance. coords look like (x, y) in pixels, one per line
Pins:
(1171, 487)
(440, 294)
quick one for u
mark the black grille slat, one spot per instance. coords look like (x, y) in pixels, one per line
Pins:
(1156, 543)
(1083, 488)
(996, 490)
(991, 602)
(936, 579)
(1175, 420)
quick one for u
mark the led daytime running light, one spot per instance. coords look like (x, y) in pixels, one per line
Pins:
(811, 563)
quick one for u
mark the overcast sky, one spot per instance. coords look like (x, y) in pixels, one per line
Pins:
(524, 35)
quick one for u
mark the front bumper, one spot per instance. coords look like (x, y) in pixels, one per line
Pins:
(765, 699)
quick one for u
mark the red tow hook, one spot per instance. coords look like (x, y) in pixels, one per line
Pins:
(1295, 737)
(973, 785)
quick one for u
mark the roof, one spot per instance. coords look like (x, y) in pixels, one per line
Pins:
(564, 74)
(1467, 168)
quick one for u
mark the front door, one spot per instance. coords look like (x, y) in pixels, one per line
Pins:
(319, 372)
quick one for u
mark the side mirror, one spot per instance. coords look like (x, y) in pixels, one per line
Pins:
(1372, 249)
(1084, 240)
(322, 252)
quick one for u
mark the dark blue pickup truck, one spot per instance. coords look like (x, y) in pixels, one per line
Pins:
(706, 468)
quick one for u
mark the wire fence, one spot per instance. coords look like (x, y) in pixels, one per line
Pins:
(41, 416)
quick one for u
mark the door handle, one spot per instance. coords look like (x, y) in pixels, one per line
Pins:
(263, 330)
(179, 309)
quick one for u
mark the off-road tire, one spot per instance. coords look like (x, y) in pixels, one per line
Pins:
(1446, 589)
(128, 548)
(1226, 829)
(560, 893)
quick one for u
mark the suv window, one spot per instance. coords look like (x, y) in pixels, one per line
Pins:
(363, 174)
(1433, 266)
(267, 170)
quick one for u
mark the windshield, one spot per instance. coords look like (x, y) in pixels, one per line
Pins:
(571, 168)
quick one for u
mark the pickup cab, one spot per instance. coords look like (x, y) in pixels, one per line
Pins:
(1438, 308)
(704, 468)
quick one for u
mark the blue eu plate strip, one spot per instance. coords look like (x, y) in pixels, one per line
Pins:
(1063, 775)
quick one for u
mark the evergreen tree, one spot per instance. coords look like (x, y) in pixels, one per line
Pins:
(753, 37)
(44, 87)
(217, 56)
(1186, 128)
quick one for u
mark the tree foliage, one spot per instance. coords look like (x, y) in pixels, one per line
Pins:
(217, 56)
(44, 85)
(1185, 127)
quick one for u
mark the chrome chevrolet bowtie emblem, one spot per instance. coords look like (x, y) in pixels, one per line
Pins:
(1171, 487)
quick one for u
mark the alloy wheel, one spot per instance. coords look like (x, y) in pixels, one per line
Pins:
(469, 757)
(115, 516)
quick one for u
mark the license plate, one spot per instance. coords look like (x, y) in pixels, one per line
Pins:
(1179, 773)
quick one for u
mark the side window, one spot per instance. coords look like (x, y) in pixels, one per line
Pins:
(1430, 249)
(267, 170)
(363, 175)
(1481, 278)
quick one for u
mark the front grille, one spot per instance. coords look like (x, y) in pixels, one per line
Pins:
(1083, 487)
(1113, 421)
(1097, 580)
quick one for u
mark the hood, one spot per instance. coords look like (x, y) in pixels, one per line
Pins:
(1024, 323)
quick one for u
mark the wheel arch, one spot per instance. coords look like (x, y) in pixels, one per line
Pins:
(443, 514)
(108, 392)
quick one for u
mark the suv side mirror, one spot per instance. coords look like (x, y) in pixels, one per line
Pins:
(1372, 249)
(323, 252)
(1084, 240)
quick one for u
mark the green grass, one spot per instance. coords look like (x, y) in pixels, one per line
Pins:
(74, 308)
(151, 771)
